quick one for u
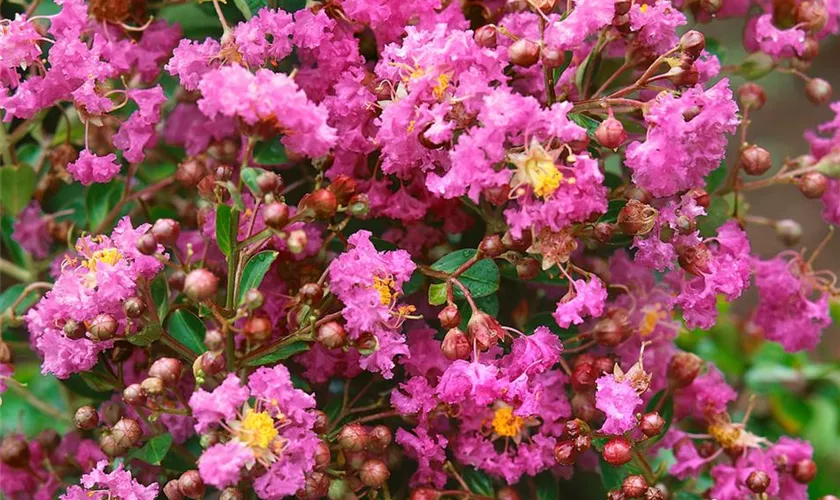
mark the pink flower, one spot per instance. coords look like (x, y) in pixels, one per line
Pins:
(731, 481)
(831, 202)
(264, 36)
(138, 132)
(322, 364)
(682, 145)
(535, 353)
(430, 454)
(99, 485)
(220, 465)
(585, 298)
(192, 60)
(789, 451)
(90, 168)
(656, 25)
(778, 42)
(186, 126)
(30, 231)
(6, 371)
(585, 20)
(19, 46)
(618, 401)
(708, 395)
(210, 408)
(415, 397)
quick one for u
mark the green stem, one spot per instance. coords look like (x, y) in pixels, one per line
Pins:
(15, 271)
(230, 298)
(6, 147)
(21, 390)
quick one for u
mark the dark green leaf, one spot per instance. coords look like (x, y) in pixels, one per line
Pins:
(76, 384)
(249, 177)
(17, 183)
(547, 320)
(716, 215)
(18, 415)
(188, 329)
(154, 450)
(478, 482)
(17, 253)
(224, 223)
(587, 122)
(715, 48)
(716, 178)
(612, 477)
(482, 278)
(249, 8)
(148, 334)
(414, 283)
(77, 131)
(284, 352)
(97, 381)
(547, 486)
(12, 293)
(160, 294)
(254, 271)
(270, 153)
(614, 207)
(100, 199)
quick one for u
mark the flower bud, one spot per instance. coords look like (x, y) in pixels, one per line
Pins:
(200, 285)
(127, 432)
(268, 182)
(449, 316)
(507, 493)
(74, 330)
(812, 15)
(316, 485)
(14, 452)
(191, 484)
(424, 494)
(331, 335)
(651, 424)
(685, 77)
(610, 133)
(583, 405)
(455, 345)
(634, 486)
(527, 268)
(789, 231)
(253, 299)
(134, 307)
(565, 452)
(693, 43)
(711, 6)
(810, 49)
(276, 215)
(603, 232)
(212, 362)
(615, 495)
(86, 418)
(353, 460)
(48, 439)
(636, 218)
(380, 438)
(322, 457)
(146, 244)
(804, 471)
(103, 327)
(758, 481)
(353, 437)
(322, 423)
(695, 260)
(576, 427)
(322, 202)
(812, 185)
(683, 369)
(191, 171)
(133, 395)
(484, 330)
(654, 493)
(176, 280)
(751, 96)
(152, 386)
(485, 36)
(172, 491)
(166, 231)
(491, 246)
(520, 244)
(257, 328)
(344, 187)
(231, 493)
(612, 331)
(621, 22)
(756, 160)
(374, 473)
(618, 451)
(552, 58)
(583, 443)
(168, 370)
(818, 91)
(583, 377)
(311, 293)
(214, 340)
(524, 52)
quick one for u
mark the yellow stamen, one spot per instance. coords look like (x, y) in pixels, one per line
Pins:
(536, 167)
(108, 256)
(411, 126)
(386, 289)
(257, 429)
(644, 8)
(651, 318)
(725, 434)
(506, 424)
(440, 88)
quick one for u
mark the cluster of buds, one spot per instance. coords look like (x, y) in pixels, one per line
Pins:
(367, 454)
(190, 485)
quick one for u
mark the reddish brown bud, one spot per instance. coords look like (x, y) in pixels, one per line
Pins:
(455, 345)
(583, 443)
(223, 173)
(818, 91)
(485, 36)
(524, 52)
(48, 439)
(317, 485)
(200, 285)
(359, 206)
(491, 246)
(168, 370)
(127, 432)
(380, 438)
(612, 331)
(711, 6)
(618, 451)
(812, 15)
(622, 7)
(191, 171)
(268, 182)
(322, 423)
(654, 493)
(103, 327)
(758, 481)
(633, 192)
(527, 268)
(756, 160)
(276, 215)
(552, 58)
(575, 427)
(565, 452)
(133, 395)
(322, 202)
(583, 377)
(214, 340)
(610, 133)
(520, 244)
(166, 231)
(636, 218)
(683, 369)
(257, 328)
(134, 307)
(331, 335)
(693, 43)
(652, 424)
(172, 491)
(810, 49)
(507, 493)
(353, 437)
(86, 418)
(212, 362)
(449, 316)
(621, 22)
(583, 405)
(751, 96)
(789, 231)
(374, 473)
(146, 244)
(74, 330)
(152, 386)
(804, 471)
(634, 486)
(311, 293)
(191, 484)
(813, 184)
(344, 187)
(424, 494)
(603, 232)
(253, 299)
(14, 452)
(322, 456)
(176, 280)
(695, 260)
(616, 495)
(484, 330)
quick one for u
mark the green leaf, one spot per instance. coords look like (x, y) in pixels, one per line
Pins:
(478, 482)
(716, 215)
(716, 178)
(270, 153)
(77, 131)
(587, 122)
(254, 272)
(100, 199)
(188, 329)
(481, 279)
(160, 294)
(17, 184)
(154, 450)
(414, 283)
(547, 320)
(97, 381)
(547, 486)
(249, 177)
(437, 294)
(18, 415)
(612, 477)
(16, 252)
(12, 293)
(249, 7)
(715, 48)
(613, 208)
(224, 228)
(76, 384)
(148, 334)
(284, 352)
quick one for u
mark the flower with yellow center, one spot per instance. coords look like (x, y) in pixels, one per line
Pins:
(652, 317)
(257, 429)
(108, 256)
(386, 288)
(506, 424)
(535, 167)
(442, 85)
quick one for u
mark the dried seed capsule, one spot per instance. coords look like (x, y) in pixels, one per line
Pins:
(813, 185)
(86, 418)
(191, 484)
(374, 473)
